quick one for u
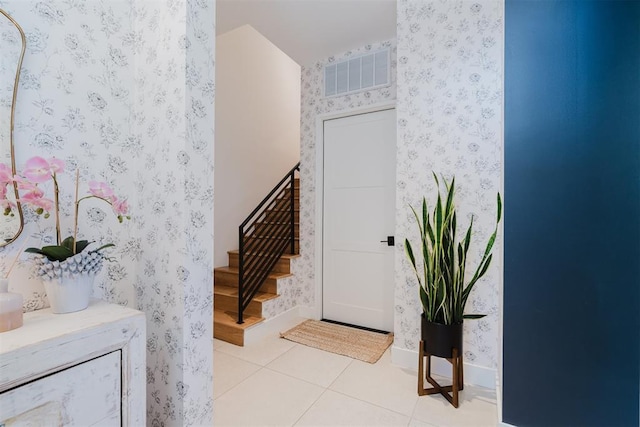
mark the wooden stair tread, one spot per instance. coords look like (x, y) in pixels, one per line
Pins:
(233, 292)
(285, 256)
(233, 270)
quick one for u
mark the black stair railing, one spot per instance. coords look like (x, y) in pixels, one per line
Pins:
(261, 246)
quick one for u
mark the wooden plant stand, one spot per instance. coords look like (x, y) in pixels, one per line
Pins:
(458, 377)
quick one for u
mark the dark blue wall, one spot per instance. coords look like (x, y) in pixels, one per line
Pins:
(572, 213)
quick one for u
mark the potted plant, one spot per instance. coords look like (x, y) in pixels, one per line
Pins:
(441, 277)
(68, 268)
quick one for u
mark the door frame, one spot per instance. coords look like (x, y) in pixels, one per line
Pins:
(319, 188)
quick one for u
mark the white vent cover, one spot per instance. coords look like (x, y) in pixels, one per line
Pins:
(359, 73)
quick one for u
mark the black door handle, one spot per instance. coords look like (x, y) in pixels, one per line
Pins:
(391, 241)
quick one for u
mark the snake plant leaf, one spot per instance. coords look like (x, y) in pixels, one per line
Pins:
(425, 215)
(415, 214)
(430, 233)
(439, 221)
(409, 251)
(467, 238)
(442, 286)
(451, 191)
(474, 316)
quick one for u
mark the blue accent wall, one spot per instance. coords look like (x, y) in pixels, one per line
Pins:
(572, 213)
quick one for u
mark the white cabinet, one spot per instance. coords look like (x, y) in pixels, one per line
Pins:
(77, 369)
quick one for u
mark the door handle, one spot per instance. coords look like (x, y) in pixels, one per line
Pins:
(391, 241)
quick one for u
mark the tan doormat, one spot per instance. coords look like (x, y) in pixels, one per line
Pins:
(355, 343)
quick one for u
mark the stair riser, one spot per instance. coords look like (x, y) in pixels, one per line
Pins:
(271, 215)
(287, 249)
(282, 266)
(228, 334)
(296, 192)
(230, 279)
(284, 202)
(263, 228)
(230, 303)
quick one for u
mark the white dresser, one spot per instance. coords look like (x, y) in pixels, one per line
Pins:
(82, 369)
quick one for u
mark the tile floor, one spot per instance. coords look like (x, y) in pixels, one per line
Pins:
(276, 382)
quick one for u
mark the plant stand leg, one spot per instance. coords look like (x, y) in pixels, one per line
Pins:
(424, 372)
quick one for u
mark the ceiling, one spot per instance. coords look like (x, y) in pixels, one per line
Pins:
(309, 30)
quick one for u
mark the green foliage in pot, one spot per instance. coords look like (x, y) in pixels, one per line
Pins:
(441, 277)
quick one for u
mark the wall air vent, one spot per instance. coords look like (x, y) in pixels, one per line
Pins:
(355, 74)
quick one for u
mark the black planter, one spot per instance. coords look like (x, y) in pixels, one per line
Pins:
(440, 340)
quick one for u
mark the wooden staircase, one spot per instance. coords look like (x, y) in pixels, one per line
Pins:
(225, 288)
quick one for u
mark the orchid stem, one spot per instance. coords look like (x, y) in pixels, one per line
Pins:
(55, 193)
(77, 204)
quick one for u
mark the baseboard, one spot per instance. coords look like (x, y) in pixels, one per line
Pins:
(308, 312)
(473, 374)
(274, 326)
(503, 424)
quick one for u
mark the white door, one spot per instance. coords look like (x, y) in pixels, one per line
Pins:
(358, 213)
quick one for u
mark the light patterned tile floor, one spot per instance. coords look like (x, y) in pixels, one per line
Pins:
(279, 383)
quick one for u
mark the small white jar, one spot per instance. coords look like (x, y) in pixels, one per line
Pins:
(10, 308)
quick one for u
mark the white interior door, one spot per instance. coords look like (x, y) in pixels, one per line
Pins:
(358, 213)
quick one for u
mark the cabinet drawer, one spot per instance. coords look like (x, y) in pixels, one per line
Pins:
(82, 395)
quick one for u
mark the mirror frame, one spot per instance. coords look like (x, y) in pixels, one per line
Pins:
(11, 124)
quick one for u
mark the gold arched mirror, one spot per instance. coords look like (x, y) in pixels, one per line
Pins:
(12, 47)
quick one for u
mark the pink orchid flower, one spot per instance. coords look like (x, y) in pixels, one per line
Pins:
(37, 170)
(56, 165)
(24, 184)
(120, 207)
(36, 198)
(101, 189)
(6, 174)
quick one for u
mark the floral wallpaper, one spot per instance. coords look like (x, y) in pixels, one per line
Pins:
(124, 92)
(314, 104)
(449, 111)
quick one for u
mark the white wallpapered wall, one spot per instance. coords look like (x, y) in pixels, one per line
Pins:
(314, 104)
(450, 94)
(124, 91)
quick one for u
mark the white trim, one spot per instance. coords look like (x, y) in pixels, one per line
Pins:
(473, 374)
(319, 180)
(308, 312)
(273, 326)
(503, 424)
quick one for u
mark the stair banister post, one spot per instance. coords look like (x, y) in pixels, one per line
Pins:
(240, 274)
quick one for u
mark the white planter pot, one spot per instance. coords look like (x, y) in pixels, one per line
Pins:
(68, 283)
(69, 294)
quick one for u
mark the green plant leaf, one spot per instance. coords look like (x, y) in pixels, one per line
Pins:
(415, 214)
(34, 251)
(474, 316)
(451, 191)
(53, 253)
(68, 243)
(81, 245)
(499, 209)
(409, 251)
(108, 245)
